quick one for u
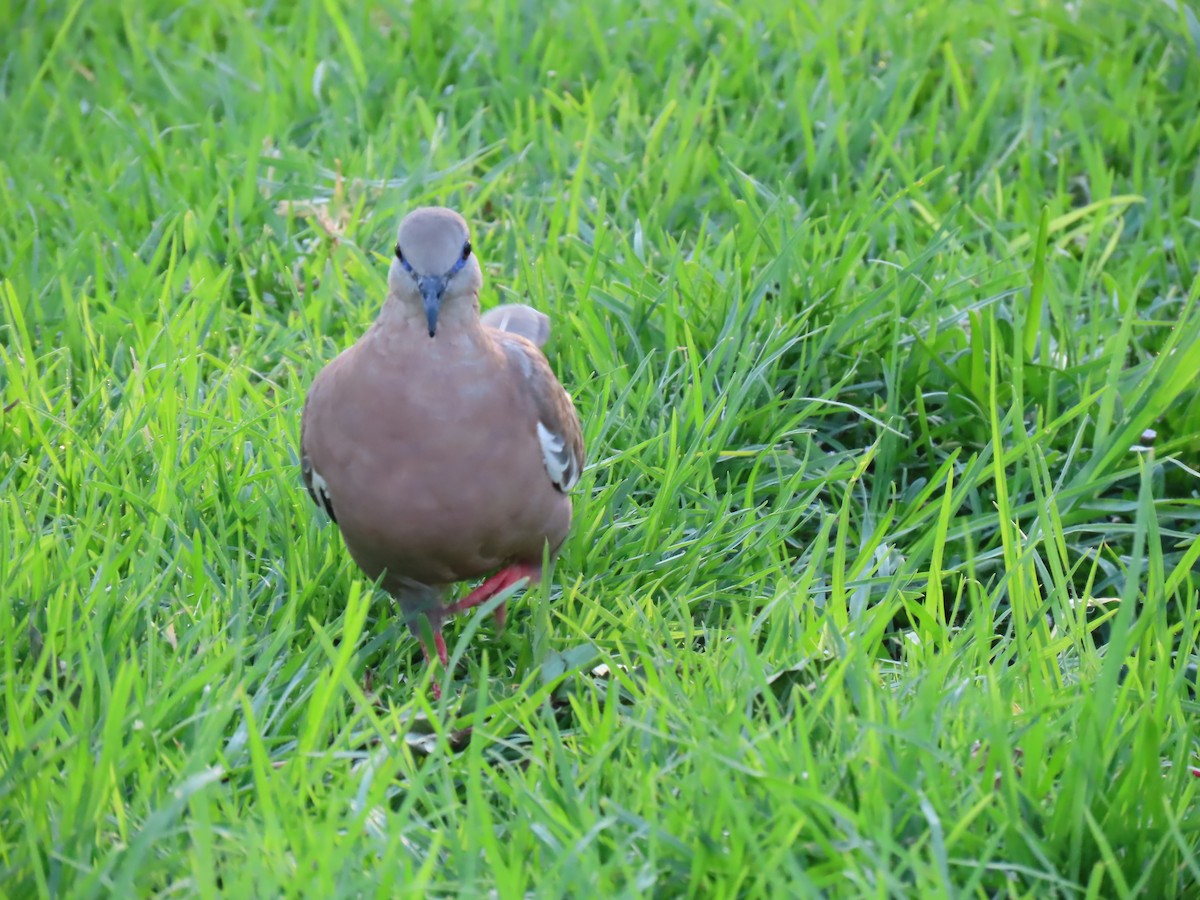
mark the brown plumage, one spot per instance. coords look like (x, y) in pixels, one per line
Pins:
(441, 444)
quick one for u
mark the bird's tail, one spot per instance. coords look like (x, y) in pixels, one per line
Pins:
(517, 318)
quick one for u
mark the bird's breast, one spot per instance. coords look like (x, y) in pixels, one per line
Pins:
(434, 466)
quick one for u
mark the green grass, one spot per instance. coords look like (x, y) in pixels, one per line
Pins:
(866, 307)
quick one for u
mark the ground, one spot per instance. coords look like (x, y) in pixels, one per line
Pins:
(882, 320)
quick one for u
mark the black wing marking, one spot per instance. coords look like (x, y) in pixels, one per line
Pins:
(317, 488)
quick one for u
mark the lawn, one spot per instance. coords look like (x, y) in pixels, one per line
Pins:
(883, 322)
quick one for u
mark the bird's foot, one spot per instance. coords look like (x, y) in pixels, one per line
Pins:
(492, 586)
(424, 619)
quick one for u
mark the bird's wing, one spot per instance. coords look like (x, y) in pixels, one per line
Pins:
(317, 488)
(558, 430)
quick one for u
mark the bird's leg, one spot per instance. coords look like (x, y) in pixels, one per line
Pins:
(439, 644)
(437, 691)
(427, 626)
(492, 586)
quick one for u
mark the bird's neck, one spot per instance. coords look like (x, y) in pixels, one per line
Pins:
(458, 320)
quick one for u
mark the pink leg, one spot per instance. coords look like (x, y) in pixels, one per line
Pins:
(502, 580)
(439, 644)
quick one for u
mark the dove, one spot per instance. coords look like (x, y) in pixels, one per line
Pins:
(440, 443)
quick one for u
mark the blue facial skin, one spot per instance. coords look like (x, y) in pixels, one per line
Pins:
(432, 287)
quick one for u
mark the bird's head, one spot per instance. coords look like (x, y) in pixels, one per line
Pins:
(434, 268)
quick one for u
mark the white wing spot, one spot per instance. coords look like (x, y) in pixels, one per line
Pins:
(320, 490)
(550, 441)
(557, 457)
(319, 483)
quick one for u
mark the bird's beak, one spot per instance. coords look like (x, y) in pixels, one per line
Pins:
(432, 288)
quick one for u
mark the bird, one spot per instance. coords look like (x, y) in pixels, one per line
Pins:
(441, 444)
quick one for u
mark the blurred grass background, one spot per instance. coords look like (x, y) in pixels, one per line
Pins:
(882, 321)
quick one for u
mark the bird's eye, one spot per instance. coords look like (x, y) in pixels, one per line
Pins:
(466, 250)
(399, 253)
